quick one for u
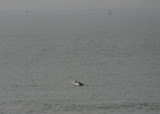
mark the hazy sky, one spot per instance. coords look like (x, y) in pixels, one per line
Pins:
(78, 4)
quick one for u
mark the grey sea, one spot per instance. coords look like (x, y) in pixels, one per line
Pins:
(117, 57)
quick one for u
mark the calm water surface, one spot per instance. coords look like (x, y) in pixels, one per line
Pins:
(117, 57)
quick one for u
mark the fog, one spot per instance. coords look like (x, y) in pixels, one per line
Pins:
(78, 4)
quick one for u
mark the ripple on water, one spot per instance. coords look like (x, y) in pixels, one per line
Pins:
(145, 106)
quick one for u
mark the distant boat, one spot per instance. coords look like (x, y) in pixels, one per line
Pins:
(27, 6)
(109, 12)
(27, 11)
